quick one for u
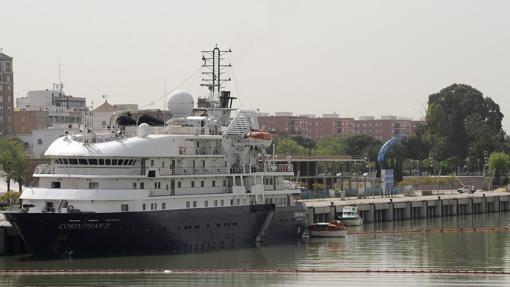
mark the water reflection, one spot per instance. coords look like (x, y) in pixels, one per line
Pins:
(486, 250)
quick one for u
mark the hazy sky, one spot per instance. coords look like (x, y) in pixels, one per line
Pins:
(350, 57)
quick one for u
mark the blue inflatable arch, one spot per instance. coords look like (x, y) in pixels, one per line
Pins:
(385, 148)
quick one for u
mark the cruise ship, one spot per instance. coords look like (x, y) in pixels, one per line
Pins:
(202, 182)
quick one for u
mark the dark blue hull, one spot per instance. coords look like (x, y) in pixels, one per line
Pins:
(171, 231)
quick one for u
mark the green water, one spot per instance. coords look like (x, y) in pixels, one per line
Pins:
(480, 251)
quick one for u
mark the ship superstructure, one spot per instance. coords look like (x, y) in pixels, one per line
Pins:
(203, 182)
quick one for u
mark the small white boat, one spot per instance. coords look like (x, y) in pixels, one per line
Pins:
(350, 216)
(334, 228)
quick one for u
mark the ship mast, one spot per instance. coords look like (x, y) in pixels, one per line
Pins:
(212, 76)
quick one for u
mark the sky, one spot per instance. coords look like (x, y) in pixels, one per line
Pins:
(353, 58)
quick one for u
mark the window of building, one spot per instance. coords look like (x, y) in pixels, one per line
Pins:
(213, 183)
(143, 206)
(194, 204)
(202, 183)
(93, 185)
(187, 204)
(231, 202)
(163, 205)
(152, 162)
(178, 184)
(142, 185)
(134, 185)
(192, 183)
(124, 207)
(206, 203)
(55, 184)
(215, 202)
(222, 202)
(39, 141)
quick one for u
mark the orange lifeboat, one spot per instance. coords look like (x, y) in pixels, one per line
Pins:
(261, 135)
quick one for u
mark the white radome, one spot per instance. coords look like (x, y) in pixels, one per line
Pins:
(143, 130)
(180, 104)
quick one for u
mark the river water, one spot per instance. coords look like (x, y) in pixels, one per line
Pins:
(387, 246)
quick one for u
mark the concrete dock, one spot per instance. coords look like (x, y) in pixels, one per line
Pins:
(379, 209)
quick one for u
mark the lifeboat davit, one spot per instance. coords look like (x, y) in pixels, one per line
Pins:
(261, 135)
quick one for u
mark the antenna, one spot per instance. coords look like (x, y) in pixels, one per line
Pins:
(214, 69)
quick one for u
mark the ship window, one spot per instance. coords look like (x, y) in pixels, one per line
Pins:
(134, 185)
(192, 183)
(56, 160)
(142, 185)
(163, 205)
(143, 206)
(55, 184)
(107, 161)
(124, 207)
(194, 204)
(202, 183)
(101, 161)
(152, 173)
(126, 161)
(82, 161)
(93, 185)
(73, 161)
(133, 162)
(187, 204)
(213, 183)
(120, 162)
(65, 161)
(114, 162)
(206, 203)
(92, 161)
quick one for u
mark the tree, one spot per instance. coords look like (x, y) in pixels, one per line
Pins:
(461, 123)
(287, 146)
(307, 143)
(499, 162)
(13, 161)
(330, 146)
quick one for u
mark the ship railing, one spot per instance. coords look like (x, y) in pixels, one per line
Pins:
(261, 168)
(193, 170)
(183, 150)
(190, 191)
(120, 170)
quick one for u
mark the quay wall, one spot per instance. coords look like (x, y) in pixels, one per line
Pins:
(404, 208)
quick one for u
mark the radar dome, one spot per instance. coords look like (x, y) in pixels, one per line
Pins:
(143, 130)
(180, 104)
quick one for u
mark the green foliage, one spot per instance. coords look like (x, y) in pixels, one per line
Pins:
(287, 146)
(318, 186)
(461, 123)
(307, 143)
(499, 161)
(330, 146)
(13, 161)
(429, 180)
(10, 197)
